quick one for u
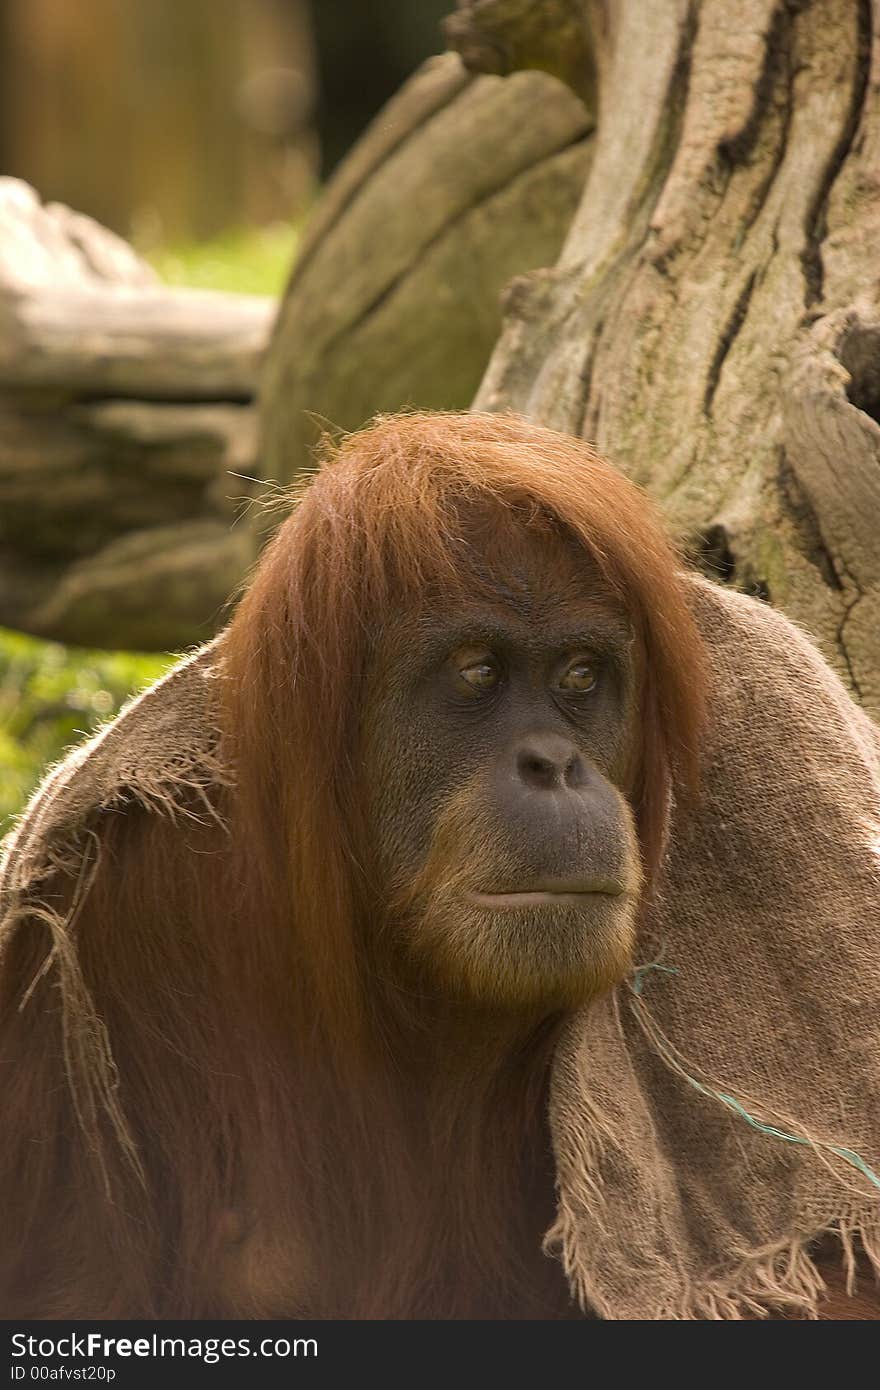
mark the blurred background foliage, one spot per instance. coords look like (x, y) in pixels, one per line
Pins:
(174, 120)
(51, 697)
(201, 131)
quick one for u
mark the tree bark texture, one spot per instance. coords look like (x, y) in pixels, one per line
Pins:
(713, 320)
(460, 184)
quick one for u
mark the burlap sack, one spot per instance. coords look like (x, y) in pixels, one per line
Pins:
(719, 1110)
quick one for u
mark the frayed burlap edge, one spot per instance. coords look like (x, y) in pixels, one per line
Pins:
(778, 1278)
(772, 1279)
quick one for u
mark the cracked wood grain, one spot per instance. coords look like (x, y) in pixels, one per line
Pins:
(399, 301)
(715, 306)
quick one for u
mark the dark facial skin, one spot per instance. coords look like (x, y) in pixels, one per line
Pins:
(498, 752)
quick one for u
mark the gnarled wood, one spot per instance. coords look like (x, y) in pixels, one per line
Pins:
(713, 321)
(460, 184)
(125, 410)
(504, 36)
(81, 313)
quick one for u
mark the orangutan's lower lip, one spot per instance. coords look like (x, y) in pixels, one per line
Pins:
(549, 897)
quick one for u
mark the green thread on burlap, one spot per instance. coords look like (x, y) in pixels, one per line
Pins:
(848, 1155)
(641, 971)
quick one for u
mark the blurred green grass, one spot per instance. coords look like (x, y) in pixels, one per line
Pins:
(53, 696)
(250, 261)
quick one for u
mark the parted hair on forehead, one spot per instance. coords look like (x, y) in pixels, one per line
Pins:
(374, 527)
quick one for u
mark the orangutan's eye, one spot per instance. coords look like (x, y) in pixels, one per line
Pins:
(481, 675)
(580, 677)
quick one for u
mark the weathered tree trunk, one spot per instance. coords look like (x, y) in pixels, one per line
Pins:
(125, 407)
(460, 184)
(713, 321)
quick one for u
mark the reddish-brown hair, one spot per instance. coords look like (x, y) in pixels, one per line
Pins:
(257, 1056)
(373, 530)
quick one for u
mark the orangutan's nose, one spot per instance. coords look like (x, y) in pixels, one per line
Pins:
(548, 762)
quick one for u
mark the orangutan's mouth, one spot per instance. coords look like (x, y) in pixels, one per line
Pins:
(551, 894)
